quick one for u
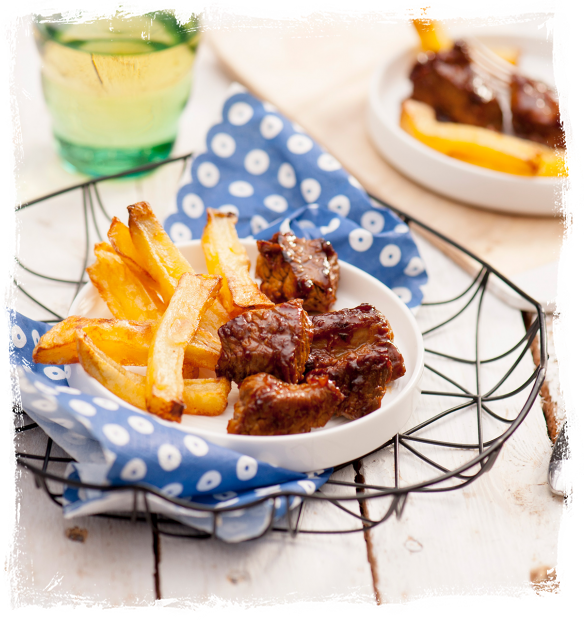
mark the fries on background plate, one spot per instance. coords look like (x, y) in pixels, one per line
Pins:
(480, 146)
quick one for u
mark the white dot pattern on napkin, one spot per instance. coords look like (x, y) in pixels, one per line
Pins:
(256, 162)
(18, 336)
(117, 434)
(106, 403)
(246, 468)
(271, 126)
(223, 145)
(169, 457)
(80, 406)
(180, 232)
(45, 405)
(390, 255)
(286, 176)
(269, 167)
(55, 373)
(174, 489)
(340, 204)
(310, 189)
(240, 113)
(134, 470)
(373, 221)
(276, 203)
(299, 144)
(209, 481)
(208, 174)
(193, 206)
(196, 445)
(360, 239)
(141, 424)
(241, 189)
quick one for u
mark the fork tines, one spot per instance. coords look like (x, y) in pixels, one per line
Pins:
(489, 62)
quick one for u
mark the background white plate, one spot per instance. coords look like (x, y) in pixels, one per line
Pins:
(340, 440)
(445, 175)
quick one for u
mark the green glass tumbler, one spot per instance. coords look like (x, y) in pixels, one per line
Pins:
(115, 88)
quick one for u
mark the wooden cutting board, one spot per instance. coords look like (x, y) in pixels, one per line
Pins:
(318, 74)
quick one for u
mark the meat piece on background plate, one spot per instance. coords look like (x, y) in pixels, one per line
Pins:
(268, 406)
(272, 340)
(536, 112)
(448, 82)
(354, 349)
(294, 268)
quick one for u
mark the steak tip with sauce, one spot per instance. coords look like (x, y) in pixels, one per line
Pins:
(291, 267)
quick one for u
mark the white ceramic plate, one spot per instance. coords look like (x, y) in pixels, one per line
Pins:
(340, 440)
(445, 175)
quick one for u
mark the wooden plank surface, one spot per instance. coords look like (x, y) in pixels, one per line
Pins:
(58, 561)
(277, 568)
(490, 536)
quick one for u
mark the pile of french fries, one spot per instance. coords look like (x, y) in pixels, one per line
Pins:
(166, 316)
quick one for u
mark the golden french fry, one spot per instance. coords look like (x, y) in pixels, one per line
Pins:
(553, 164)
(201, 396)
(121, 241)
(126, 296)
(206, 396)
(225, 256)
(123, 383)
(164, 380)
(166, 264)
(205, 348)
(477, 145)
(189, 371)
(161, 258)
(432, 36)
(126, 342)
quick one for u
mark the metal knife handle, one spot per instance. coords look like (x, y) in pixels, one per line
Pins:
(561, 451)
(557, 471)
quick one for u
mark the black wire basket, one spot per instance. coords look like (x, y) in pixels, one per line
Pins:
(452, 465)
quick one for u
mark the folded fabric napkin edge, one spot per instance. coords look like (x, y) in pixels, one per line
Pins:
(120, 449)
(261, 166)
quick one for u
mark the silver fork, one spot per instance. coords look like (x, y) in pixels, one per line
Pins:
(495, 66)
(501, 72)
(491, 63)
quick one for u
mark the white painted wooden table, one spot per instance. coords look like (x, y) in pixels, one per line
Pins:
(493, 536)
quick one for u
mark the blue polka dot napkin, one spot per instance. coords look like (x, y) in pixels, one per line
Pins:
(114, 445)
(266, 169)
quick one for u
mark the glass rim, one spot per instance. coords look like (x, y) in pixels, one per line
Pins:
(52, 22)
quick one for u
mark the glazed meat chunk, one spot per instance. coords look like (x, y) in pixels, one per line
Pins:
(536, 112)
(354, 349)
(294, 268)
(268, 406)
(448, 82)
(361, 376)
(273, 340)
(336, 333)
